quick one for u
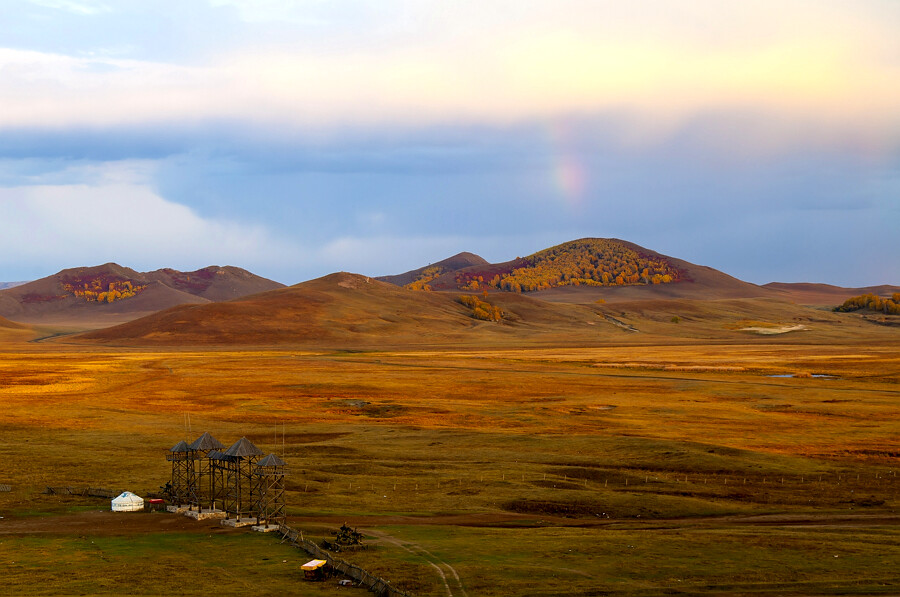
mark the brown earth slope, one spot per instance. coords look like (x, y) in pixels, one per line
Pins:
(79, 296)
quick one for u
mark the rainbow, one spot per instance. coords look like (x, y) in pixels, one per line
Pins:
(568, 173)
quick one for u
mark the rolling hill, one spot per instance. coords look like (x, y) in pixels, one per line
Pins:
(5, 285)
(448, 266)
(825, 294)
(110, 294)
(589, 269)
(330, 311)
(656, 299)
(353, 312)
(12, 331)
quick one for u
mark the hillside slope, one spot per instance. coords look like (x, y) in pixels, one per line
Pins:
(589, 269)
(445, 267)
(10, 331)
(109, 294)
(825, 294)
(353, 312)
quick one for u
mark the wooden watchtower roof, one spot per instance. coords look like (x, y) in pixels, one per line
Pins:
(271, 461)
(180, 447)
(206, 442)
(243, 448)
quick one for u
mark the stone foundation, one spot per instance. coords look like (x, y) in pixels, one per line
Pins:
(205, 514)
(238, 522)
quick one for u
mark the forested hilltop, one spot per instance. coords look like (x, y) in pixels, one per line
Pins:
(585, 262)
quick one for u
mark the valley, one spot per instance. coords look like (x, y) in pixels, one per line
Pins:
(529, 471)
(699, 436)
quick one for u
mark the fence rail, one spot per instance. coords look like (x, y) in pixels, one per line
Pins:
(377, 585)
(97, 492)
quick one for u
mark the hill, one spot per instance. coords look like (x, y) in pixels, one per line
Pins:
(426, 274)
(10, 331)
(825, 294)
(329, 311)
(590, 269)
(5, 285)
(109, 294)
(349, 311)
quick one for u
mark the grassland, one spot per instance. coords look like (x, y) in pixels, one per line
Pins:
(634, 470)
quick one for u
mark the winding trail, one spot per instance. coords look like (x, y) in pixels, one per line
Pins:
(438, 564)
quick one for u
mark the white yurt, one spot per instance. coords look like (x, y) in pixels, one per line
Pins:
(127, 502)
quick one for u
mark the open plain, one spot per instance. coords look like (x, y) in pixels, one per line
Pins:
(673, 467)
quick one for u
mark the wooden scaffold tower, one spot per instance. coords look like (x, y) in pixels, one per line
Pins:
(240, 498)
(269, 476)
(221, 475)
(179, 457)
(200, 470)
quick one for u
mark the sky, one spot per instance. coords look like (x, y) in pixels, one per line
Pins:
(295, 138)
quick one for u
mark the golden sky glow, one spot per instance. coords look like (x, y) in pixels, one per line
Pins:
(838, 80)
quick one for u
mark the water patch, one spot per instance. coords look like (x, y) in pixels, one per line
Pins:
(800, 376)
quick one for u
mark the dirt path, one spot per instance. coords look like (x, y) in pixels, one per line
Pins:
(102, 522)
(117, 523)
(438, 564)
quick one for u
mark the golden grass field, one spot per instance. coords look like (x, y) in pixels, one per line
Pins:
(655, 469)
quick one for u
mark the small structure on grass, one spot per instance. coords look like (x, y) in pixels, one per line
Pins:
(179, 457)
(243, 489)
(235, 484)
(315, 570)
(220, 478)
(200, 471)
(345, 539)
(269, 476)
(127, 502)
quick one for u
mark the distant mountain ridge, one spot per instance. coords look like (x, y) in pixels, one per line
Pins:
(110, 293)
(5, 285)
(825, 294)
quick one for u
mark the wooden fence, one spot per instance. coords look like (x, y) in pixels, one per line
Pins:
(97, 492)
(377, 585)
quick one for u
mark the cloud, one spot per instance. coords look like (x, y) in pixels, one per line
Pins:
(119, 219)
(831, 78)
(77, 7)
